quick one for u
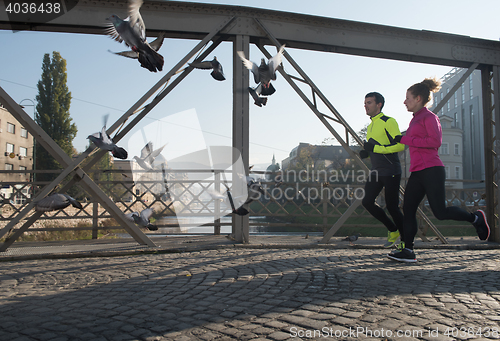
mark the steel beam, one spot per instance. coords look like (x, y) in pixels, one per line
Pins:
(296, 30)
(240, 224)
(494, 215)
(491, 173)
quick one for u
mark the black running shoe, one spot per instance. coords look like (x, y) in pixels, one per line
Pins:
(406, 255)
(481, 225)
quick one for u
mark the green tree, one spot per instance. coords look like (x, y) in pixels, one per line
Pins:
(362, 135)
(52, 109)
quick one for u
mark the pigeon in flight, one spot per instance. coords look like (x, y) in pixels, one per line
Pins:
(219, 196)
(216, 195)
(258, 101)
(103, 141)
(148, 156)
(217, 73)
(255, 190)
(133, 31)
(352, 238)
(56, 201)
(266, 72)
(134, 54)
(240, 210)
(142, 219)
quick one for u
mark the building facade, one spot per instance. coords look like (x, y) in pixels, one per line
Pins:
(463, 112)
(322, 157)
(17, 147)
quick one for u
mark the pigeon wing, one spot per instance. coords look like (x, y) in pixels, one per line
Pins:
(130, 216)
(154, 154)
(202, 65)
(147, 150)
(275, 61)
(146, 214)
(250, 66)
(111, 31)
(136, 21)
(216, 195)
(105, 136)
(128, 54)
(158, 42)
(52, 202)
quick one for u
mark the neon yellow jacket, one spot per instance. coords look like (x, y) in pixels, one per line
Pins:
(381, 133)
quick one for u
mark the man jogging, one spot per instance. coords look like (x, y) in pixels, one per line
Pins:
(386, 168)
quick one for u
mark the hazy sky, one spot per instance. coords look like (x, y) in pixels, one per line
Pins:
(102, 83)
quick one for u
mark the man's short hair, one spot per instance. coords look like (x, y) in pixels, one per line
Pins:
(378, 98)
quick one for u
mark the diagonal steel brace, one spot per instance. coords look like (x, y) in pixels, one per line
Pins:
(81, 175)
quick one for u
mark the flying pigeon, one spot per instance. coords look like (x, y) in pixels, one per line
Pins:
(103, 141)
(255, 190)
(240, 210)
(56, 201)
(352, 238)
(142, 219)
(133, 31)
(155, 45)
(216, 195)
(219, 196)
(259, 101)
(213, 64)
(266, 72)
(148, 156)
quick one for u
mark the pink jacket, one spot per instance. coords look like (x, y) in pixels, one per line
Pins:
(424, 137)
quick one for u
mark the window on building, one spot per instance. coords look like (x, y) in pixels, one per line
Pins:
(455, 99)
(11, 128)
(470, 87)
(22, 168)
(448, 103)
(447, 169)
(441, 95)
(457, 172)
(24, 133)
(23, 151)
(457, 149)
(455, 119)
(9, 166)
(10, 147)
(444, 149)
(463, 93)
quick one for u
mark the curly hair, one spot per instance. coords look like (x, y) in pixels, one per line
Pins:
(424, 89)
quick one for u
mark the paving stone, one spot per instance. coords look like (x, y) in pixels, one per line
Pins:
(252, 294)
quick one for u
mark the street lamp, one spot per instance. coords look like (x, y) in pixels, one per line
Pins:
(34, 142)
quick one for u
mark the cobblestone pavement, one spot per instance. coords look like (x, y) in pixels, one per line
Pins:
(253, 294)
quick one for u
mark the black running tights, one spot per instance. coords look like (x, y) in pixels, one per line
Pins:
(430, 182)
(373, 187)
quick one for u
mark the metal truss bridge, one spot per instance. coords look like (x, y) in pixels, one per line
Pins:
(212, 24)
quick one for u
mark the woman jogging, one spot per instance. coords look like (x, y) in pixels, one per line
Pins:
(428, 174)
